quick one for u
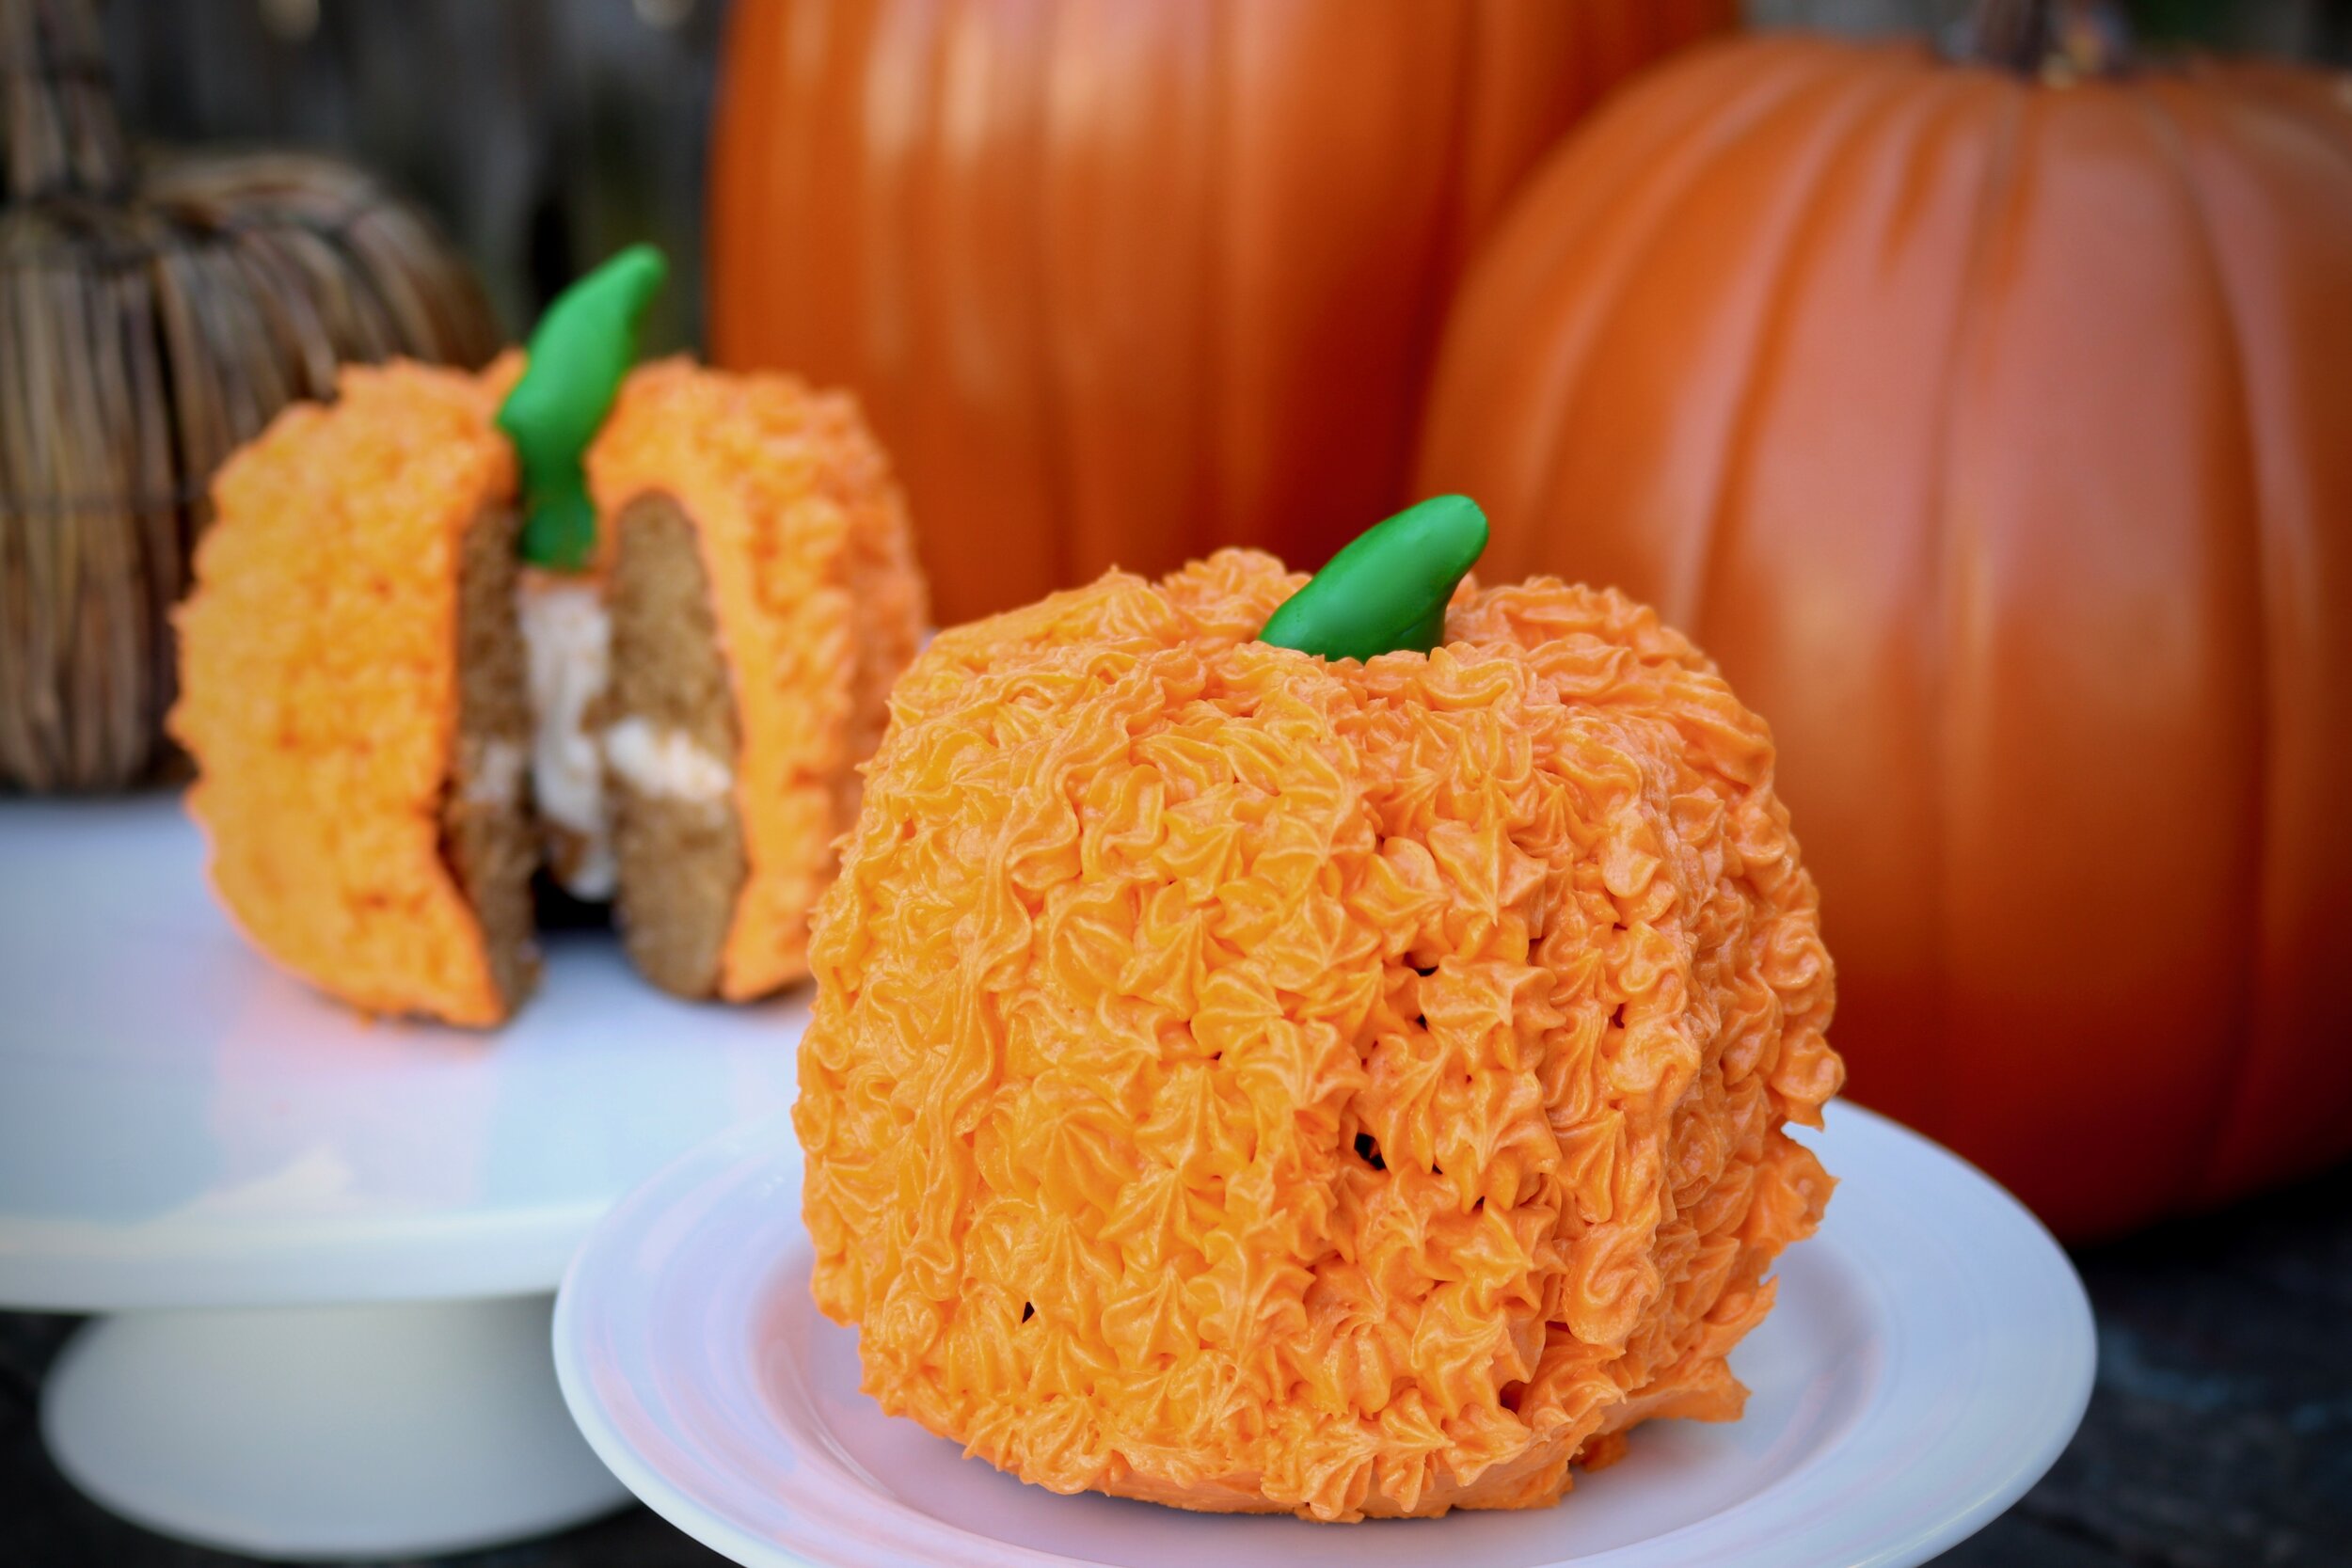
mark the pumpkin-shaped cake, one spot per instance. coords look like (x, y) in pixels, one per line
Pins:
(763, 595)
(641, 621)
(351, 687)
(1255, 1081)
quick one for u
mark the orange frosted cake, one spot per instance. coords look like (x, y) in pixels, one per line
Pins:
(1255, 1081)
(764, 596)
(350, 683)
(394, 720)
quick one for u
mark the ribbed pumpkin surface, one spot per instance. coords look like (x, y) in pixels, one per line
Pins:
(1122, 280)
(1994, 434)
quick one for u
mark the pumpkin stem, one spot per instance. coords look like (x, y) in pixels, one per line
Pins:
(1386, 591)
(2058, 41)
(582, 347)
(58, 133)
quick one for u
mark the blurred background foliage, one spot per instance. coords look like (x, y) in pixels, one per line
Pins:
(547, 134)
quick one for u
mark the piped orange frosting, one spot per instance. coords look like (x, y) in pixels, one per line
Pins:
(319, 684)
(817, 602)
(1253, 1083)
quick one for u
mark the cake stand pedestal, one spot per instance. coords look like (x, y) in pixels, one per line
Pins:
(326, 1247)
(413, 1428)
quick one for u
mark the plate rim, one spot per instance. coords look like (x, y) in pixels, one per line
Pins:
(769, 1143)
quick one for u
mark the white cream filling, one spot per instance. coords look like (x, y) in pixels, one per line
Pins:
(497, 779)
(567, 640)
(665, 764)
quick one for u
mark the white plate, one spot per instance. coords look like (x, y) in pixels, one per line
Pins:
(1931, 1354)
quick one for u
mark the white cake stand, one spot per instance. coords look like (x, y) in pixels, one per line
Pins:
(327, 1246)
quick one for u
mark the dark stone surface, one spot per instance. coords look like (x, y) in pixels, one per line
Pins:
(2221, 1433)
(2219, 1436)
(45, 1524)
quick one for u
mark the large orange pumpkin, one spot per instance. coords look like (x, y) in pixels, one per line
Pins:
(1994, 433)
(1122, 280)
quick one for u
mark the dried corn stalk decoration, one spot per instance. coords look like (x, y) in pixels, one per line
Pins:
(154, 313)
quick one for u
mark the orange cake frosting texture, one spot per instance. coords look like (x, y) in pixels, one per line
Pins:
(1253, 1083)
(319, 684)
(817, 602)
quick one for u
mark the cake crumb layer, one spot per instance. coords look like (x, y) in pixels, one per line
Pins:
(680, 852)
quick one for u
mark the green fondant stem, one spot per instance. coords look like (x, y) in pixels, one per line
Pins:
(1386, 591)
(584, 345)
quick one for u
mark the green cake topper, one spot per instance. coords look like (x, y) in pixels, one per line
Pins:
(583, 346)
(1386, 591)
